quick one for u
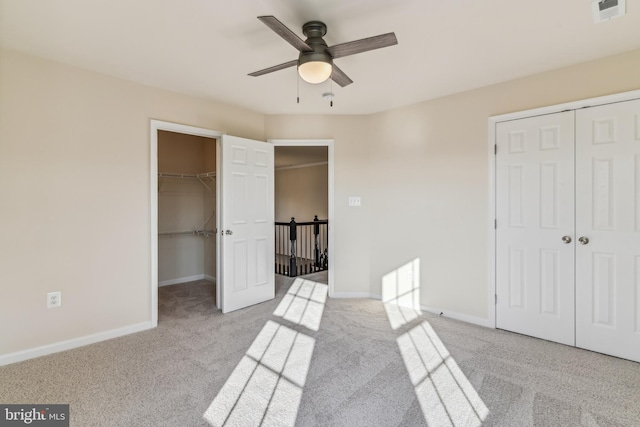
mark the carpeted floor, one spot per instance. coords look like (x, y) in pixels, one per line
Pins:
(361, 372)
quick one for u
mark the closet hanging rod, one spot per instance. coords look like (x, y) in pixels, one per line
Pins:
(187, 175)
(176, 175)
(207, 175)
(205, 233)
(176, 233)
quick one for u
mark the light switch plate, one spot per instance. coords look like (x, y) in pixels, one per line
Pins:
(355, 201)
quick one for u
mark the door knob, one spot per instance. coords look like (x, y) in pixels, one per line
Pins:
(566, 239)
(583, 240)
(228, 232)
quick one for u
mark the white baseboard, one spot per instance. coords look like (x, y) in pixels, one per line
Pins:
(185, 280)
(459, 316)
(210, 278)
(445, 313)
(355, 295)
(32, 353)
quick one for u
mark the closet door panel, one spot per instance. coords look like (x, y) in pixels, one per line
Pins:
(535, 209)
(608, 215)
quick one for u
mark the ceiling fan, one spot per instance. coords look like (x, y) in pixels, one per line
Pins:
(315, 62)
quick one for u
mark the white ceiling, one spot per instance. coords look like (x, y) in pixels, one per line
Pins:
(206, 47)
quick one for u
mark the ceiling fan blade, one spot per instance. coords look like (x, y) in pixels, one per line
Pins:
(338, 76)
(362, 45)
(284, 32)
(274, 68)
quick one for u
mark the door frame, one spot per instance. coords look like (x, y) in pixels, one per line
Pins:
(493, 122)
(330, 195)
(154, 127)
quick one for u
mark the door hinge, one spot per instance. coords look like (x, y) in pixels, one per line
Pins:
(495, 224)
(496, 299)
(495, 149)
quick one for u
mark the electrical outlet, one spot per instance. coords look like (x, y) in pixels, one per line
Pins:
(54, 299)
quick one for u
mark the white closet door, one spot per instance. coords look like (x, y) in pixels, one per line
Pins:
(535, 210)
(608, 215)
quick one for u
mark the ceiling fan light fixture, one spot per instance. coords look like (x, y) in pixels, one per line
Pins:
(315, 67)
(315, 71)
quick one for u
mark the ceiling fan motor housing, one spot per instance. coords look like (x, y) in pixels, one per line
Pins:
(314, 31)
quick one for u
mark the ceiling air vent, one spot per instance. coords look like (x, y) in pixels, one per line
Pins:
(604, 10)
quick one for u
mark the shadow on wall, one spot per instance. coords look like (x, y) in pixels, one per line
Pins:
(443, 391)
(266, 386)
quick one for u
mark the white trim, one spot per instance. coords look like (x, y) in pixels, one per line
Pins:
(300, 142)
(331, 194)
(331, 219)
(304, 165)
(186, 279)
(154, 127)
(44, 350)
(348, 295)
(493, 121)
(219, 240)
(487, 323)
(491, 302)
(153, 212)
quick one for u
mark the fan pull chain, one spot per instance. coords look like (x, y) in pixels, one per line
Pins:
(298, 83)
(331, 103)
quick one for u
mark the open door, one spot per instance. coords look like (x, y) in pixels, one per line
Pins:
(246, 223)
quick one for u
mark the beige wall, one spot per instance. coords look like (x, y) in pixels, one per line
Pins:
(74, 185)
(74, 180)
(422, 172)
(184, 204)
(301, 193)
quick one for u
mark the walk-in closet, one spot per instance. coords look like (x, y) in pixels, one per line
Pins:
(187, 214)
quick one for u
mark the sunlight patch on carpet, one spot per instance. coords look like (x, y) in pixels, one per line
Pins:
(444, 392)
(446, 396)
(266, 387)
(304, 303)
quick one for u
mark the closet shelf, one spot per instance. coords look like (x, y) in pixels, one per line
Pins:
(204, 233)
(187, 175)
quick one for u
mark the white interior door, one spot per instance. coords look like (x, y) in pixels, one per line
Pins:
(608, 215)
(247, 223)
(535, 226)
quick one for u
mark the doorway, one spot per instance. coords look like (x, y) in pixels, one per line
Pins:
(186, 222)
(193, 181)
(311, 160)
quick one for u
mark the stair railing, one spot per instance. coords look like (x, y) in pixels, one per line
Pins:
(301, 247)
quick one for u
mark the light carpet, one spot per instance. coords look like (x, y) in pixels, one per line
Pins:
(360, 372)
